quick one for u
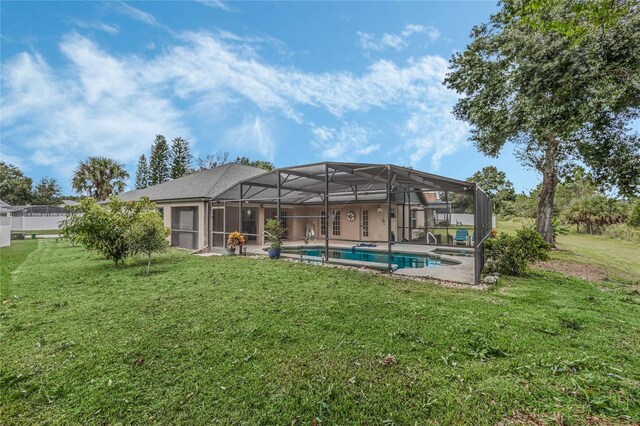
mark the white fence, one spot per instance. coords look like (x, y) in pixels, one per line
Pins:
(5, 231)
(467, 219)
(33, 223)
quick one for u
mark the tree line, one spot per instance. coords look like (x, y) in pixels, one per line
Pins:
(580, 201)
(101, 177)
(18, 189)
(166, 163)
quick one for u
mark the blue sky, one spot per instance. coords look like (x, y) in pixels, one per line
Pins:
(289, 82)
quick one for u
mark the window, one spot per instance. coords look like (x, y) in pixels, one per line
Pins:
(336, 222)
(323, 223)
(365, 223)
(184, 227)
(161, 211)
(414, 219)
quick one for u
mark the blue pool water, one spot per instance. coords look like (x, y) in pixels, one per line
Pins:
(402, 260)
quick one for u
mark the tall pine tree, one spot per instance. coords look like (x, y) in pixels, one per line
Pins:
(142, 173)
(180, 158)
(159, 163)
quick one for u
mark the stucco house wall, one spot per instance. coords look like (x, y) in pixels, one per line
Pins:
(167, 217)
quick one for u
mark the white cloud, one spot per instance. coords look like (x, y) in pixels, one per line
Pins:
(207, 65)
(432, 131)
(101, 104)
(346, 143)
(109, 29)
(254, 134)
(13, 160)
(216, 4)
(137, 14)
(369, 41)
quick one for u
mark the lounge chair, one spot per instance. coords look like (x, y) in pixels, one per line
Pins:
(462, 236)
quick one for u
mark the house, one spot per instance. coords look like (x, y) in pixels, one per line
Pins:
(331, 202)
(184, 203)
(202, 208)
(35, 217)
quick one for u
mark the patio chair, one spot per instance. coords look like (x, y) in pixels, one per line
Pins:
(462, 236)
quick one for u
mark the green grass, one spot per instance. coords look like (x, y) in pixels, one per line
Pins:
(619, 258)
(252, 341)
(11, 258)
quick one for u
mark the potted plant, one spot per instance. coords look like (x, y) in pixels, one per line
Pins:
(274, 231)
(235, 239)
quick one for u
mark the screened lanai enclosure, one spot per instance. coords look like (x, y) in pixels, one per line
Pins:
(335, 206)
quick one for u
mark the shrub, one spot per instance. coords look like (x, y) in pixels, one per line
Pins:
(107, 229)
(622, 232)
(147, 235)
(275, 231)
(511, 255)
(99, 228)
(634, 218)
(235, 239)
(595, 212)
(558, 228)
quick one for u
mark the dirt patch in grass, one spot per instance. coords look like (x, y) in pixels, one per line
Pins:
(585, 272)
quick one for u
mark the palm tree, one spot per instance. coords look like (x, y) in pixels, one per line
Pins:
(99, 177)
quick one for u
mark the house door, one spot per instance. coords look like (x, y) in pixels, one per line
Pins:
(217, 227)
(249, 223)
(364, 224)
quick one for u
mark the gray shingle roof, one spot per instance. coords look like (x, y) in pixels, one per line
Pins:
(203, 184)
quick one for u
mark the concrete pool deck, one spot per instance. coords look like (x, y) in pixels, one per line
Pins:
(460, 272)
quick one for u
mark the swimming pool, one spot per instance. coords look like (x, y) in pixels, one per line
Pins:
(401, 260)
(453, 252)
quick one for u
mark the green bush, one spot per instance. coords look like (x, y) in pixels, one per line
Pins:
(634, 218)
(117, 229)
(147, 235)
(512, 254)
(622, 232)
(595, 212)
(275, 232)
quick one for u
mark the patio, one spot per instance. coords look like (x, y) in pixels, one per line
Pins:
(461, 272)
(340, 205)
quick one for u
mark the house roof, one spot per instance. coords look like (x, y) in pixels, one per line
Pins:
(206, 184)
(413, 197)
(306, 183)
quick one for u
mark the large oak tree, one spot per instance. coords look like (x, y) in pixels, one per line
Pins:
(557, 98)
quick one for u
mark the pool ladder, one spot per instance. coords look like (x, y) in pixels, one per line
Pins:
(435, 240)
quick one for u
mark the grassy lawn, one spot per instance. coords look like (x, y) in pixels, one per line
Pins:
(620, 259)
(253, 341)
(11, 258)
